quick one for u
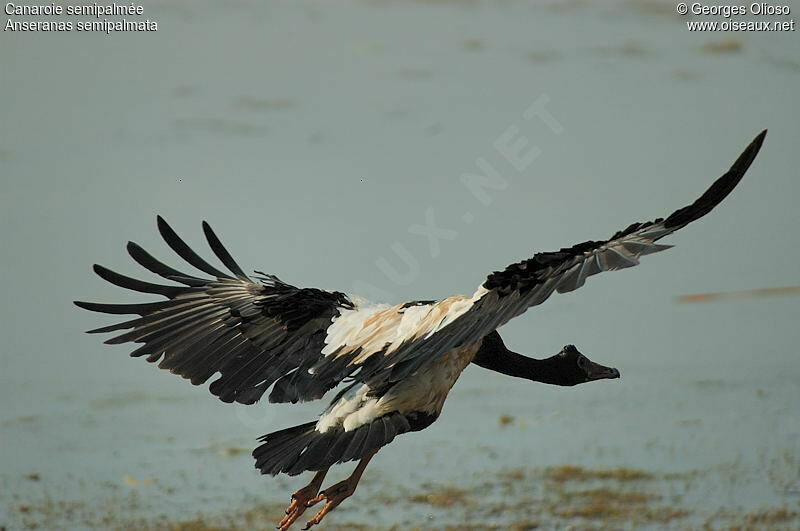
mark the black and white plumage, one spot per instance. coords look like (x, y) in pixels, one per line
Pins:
(398, 362)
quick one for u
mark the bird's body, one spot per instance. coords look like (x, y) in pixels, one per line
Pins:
(397, 363)
(424, 392)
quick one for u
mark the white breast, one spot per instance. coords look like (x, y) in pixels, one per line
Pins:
(425, 390)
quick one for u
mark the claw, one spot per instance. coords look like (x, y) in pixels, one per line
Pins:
(299, 500)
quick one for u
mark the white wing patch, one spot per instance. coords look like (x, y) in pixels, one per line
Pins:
(344, 331)
(412, 318)
(378, 327)
(456, 309)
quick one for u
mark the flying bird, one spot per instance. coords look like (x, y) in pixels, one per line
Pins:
(394, 365)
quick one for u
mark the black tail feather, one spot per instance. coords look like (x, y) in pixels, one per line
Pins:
(391, 431)
(376, 435)
(270, 458)
(336, 449)
(353, 450)
(302, 448)
(312, 455)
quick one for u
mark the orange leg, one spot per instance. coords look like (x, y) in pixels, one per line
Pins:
(336, 494)
(300, 500)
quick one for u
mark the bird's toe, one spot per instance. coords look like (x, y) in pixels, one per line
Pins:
(333, 496)
(300, 500)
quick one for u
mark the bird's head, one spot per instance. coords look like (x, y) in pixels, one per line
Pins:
(574, 368)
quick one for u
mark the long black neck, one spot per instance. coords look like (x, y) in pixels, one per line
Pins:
(494, 355)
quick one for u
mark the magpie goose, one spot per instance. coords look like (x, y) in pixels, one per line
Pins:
(394, 364)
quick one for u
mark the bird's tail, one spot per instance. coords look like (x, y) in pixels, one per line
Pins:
(301, 448)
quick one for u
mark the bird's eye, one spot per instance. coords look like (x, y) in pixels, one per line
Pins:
(582, 361)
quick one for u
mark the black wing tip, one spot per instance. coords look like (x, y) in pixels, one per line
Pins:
(720, 189)
(105, 273)
(222, 253)
(183, 250)
(138, 253)
(210, 235)
(85, 305)
(759, 139)
(160, 221)
(163, 226)
(749, 154)
(135, 251)
(93, 307)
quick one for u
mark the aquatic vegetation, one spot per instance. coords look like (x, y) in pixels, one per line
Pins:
(443, 497)
(566, 473)
(722, 47)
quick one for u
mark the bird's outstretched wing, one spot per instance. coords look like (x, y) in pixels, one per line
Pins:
(306, 341)
(257, 334)
(253, 333)
(508, 293)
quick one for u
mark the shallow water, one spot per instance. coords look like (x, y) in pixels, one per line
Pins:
(313, 138)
